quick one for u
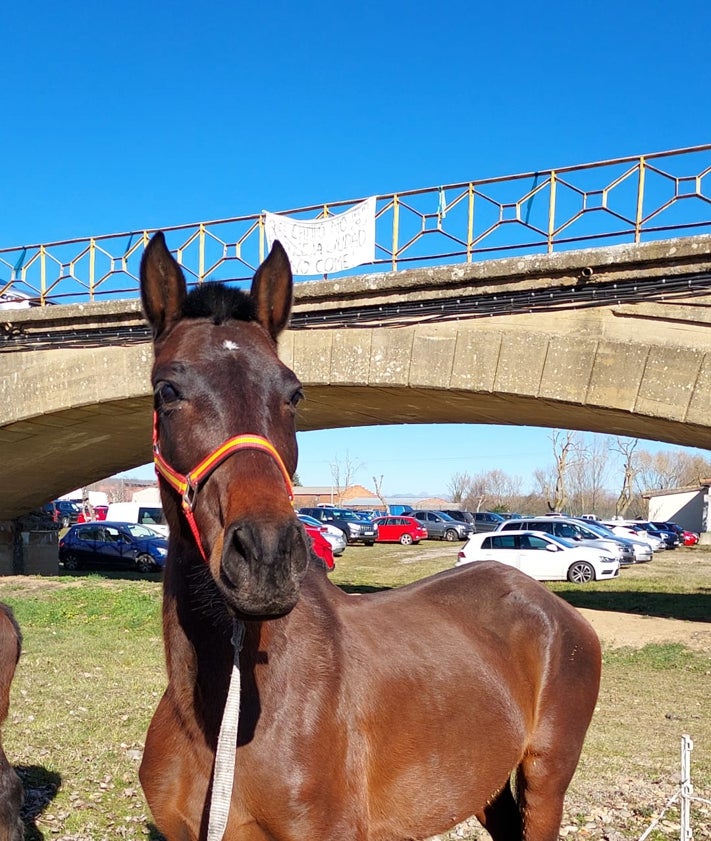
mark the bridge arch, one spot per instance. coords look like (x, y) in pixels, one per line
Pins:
(70, 414)
(92, 407)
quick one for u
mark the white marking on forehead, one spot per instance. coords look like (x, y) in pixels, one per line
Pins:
(228, 345)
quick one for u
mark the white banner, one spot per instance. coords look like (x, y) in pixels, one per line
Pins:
(324, 246)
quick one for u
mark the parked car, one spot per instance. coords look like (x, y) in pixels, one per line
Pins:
(462, 516)
(63, 511)
(686, 537)
(631, 528)
(486, 520)
(626, 529)
(574, 530)
(442, 527)
(405, 530)
(320, 544)
(543, 556)
(689, 538)
(355, 529)
(668, 535)
(109, 544)
(332, 534)
(641, 550)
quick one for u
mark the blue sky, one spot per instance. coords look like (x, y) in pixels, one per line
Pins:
(128, 115)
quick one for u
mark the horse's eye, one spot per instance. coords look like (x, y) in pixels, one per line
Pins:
(296, 398)
(166, 395)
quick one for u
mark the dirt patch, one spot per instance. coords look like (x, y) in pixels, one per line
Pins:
(620, 630)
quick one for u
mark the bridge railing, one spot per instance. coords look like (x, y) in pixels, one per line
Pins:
(630, 199)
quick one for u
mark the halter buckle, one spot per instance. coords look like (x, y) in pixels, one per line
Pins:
(190, 494)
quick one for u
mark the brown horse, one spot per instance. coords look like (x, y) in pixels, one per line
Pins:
(11, 793)
(381, 717)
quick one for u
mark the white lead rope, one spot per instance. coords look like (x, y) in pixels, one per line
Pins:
(225, 755)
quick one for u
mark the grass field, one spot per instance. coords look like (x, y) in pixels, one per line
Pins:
(92, 672)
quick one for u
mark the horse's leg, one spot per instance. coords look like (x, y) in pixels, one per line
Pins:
(501, 817)
(11, 797)
(543, 781)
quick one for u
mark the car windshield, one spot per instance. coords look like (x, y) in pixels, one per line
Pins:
(137, 530)
(311, 521)
(601, 531)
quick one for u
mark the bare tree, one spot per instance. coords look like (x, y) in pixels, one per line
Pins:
(588, 474)
(626, 447)
(458, 486)
(378, 485)
(343, 470)
(566, 448)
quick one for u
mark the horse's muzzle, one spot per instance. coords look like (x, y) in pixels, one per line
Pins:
(263, 565)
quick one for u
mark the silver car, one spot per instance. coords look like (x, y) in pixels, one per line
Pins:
(572, 529)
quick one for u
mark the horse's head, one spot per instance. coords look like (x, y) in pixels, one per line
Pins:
(225, 439)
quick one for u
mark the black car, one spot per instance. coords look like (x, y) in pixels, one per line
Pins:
(64, 511)
(111, 544)
(355, 529)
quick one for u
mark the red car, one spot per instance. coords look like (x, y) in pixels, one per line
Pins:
(405, 530)
(689, 538)
(320, 545)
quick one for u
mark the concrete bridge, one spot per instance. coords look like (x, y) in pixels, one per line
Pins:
(612, 340)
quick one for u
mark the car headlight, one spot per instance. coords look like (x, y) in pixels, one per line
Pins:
(161, 552)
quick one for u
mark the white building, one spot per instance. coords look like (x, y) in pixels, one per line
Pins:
(687, 506)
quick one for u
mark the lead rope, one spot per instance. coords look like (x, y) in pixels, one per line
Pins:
(226, 753)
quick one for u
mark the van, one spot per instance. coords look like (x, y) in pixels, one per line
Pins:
(133, 512)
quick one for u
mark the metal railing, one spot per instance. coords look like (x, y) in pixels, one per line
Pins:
(630, 199)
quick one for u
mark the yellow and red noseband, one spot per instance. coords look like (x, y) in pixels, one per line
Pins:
(188, 484)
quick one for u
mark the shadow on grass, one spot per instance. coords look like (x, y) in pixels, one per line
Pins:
(40, 787)
(695, 607)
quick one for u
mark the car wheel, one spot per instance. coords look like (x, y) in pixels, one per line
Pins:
(406, 539)
(581, 572)
(65, 521)
(71, 562)
(450, 535)
(144, 563)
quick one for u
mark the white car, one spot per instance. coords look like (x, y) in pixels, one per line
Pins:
(540, 555)
(626, 529)
(332, 534)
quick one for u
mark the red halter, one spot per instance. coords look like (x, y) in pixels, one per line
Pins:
(188, 484)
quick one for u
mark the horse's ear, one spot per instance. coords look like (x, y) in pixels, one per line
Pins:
(272, 290)
(163, 288)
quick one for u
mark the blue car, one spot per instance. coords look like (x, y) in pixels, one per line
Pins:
(112, 545)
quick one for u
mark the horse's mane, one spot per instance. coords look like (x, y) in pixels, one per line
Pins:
(219, 302)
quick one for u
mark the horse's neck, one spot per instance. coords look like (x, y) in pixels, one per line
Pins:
(198, 640)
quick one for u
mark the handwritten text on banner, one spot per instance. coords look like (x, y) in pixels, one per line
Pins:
(323, 246)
